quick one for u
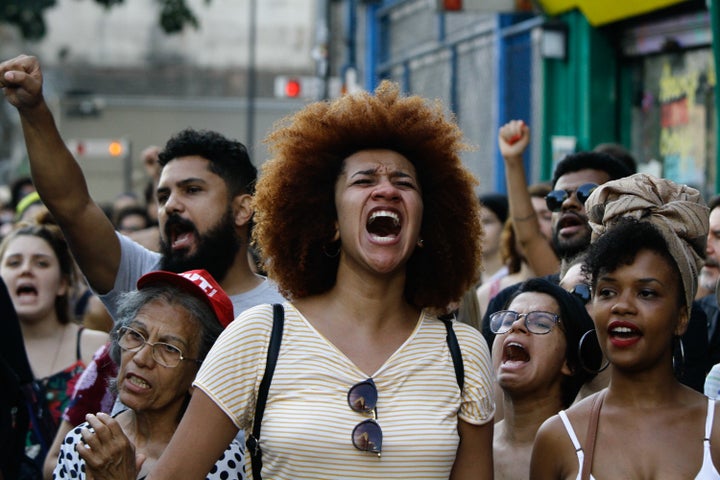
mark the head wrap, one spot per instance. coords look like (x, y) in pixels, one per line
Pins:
(677, 211)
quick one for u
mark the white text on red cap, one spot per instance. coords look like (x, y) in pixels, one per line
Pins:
(194, 277)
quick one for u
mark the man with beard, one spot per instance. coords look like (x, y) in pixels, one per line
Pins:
(204, 197)
(574, 178)
(204, 211)
(711, 272)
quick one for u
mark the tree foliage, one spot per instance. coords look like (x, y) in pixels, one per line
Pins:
(29, 15)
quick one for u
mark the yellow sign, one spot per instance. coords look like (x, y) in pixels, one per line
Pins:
(600, 12)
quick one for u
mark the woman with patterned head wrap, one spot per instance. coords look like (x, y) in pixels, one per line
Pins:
(648, 244)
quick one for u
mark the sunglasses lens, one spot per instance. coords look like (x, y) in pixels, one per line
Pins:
(555, 199)
(582, 292)
(584, 192)
(362, 397)
(367, 436)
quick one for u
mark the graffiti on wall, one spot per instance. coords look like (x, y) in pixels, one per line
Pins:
(673, 120)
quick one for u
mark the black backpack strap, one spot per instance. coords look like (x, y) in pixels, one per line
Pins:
(253, 441)
(455, 353)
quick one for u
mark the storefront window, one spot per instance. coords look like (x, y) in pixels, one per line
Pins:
(673, 117)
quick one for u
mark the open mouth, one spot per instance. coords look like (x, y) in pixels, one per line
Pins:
(23, 290)
(624, 332)
(180, 233)
(570, 223)
(383, 225)
(137, 381)
(515, 352)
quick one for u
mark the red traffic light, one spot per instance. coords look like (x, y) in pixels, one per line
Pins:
(292, 88)
(452, 5)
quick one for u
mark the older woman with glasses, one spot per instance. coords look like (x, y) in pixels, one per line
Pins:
(541, 356)
(164, 332)
(369, 224)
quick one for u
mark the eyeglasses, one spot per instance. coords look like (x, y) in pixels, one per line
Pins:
(537, 322)
(165, 354)
(367, 435)
(582, 292)
(555, 199)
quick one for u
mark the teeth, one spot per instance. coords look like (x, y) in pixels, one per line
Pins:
(621, 330)
(139, 382)
(515, 344)
(385, 213)
(382, 239)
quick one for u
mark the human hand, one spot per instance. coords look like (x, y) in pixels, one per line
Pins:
(107, 452)
(21, 81)
(513, 138)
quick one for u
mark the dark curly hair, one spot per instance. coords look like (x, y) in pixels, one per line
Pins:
(575, 322)
(228, 158)
(295, 208)
(620, 245)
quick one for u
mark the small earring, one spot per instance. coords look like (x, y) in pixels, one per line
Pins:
(421, 243)
(331, 254)
(678, 363)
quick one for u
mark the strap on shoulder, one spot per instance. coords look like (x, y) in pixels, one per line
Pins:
(253, 441)
(78, 341)
(592, 434)
(455, 353)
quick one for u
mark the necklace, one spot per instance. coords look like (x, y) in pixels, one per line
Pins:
(57, 350)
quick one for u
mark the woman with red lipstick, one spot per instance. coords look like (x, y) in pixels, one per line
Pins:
(536, 357)
(369, 224)
(39, 271)
(646, 252)
(164, 331)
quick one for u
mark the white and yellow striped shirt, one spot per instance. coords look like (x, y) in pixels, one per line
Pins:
(306, 429)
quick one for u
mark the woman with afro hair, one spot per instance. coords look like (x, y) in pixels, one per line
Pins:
(368, 222)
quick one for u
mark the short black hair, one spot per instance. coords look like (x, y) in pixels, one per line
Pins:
(714, 202)
(16, 188)
(575, 322)
(229, 159)
(592, 161)
(130, 211)
(620, 245)
(618, 152)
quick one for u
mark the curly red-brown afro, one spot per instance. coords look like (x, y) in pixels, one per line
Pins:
(295, 211)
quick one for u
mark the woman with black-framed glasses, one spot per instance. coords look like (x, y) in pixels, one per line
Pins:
(538, 364)
(369, 224)
(164, 331)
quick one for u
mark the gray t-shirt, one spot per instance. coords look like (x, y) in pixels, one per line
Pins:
(136, 261)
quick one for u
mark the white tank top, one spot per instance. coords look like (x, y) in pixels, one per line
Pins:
(707, 471)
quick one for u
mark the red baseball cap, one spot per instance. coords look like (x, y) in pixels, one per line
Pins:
(198, 283)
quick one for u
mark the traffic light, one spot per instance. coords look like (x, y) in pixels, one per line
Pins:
(115, 148)
(292, 88)
(99, 147)
(484, 6)
(297, 86)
